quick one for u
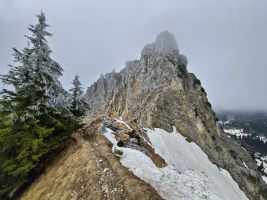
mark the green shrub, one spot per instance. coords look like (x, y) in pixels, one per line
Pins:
(203, 90)
(118, 152)
(182, 69)
(197, 82)
(121, 143)
(208, 104)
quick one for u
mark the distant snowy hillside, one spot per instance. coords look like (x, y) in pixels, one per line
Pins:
(250, 131)
(239, 133)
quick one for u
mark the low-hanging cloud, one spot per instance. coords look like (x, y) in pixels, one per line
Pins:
(225, 41)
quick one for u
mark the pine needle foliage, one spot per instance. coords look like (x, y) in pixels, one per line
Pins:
(78, 104)
(35, 122)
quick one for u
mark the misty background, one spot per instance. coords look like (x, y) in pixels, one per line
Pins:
(225, 41)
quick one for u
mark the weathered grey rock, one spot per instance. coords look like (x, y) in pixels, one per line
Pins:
(133, 140)
(165, 44)
(157, 91)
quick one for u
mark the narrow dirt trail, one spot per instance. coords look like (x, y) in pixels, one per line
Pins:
(112, 186)
(87, 170)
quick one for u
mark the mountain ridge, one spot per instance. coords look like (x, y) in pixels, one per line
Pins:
(143, 115)
(157, 91)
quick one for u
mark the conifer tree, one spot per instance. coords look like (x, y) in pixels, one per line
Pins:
(34, 123)
(37, 70)
(78, 105)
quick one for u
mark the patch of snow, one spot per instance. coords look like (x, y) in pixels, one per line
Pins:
(237, 132)
(109, 134)
(265, 179)
(265, 167)
(245, 165)
(188, 156)
(260, 159)
(188, 175)
(262, 139)
(224, 123)
(257, 154)
(168, 181)
(122, 122)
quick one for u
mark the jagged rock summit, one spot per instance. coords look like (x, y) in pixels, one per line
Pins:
(164, 45)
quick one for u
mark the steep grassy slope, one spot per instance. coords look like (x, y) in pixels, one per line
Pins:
(88, 170)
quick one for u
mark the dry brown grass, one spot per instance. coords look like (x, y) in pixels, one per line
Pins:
(76, 173)
(73, 175)
(122, 137)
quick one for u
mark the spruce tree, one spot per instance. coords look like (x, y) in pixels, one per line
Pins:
(34, 121)
(78, 105)
(37, 73)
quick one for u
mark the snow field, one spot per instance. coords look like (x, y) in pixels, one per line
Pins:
(184, 155)
(188, 175)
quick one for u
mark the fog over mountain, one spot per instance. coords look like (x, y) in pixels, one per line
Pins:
(225, 41)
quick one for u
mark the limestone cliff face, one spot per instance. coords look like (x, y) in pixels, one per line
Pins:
(157, 91)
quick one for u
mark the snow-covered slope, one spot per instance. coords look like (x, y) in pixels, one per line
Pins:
(189, 173)
(186, 156)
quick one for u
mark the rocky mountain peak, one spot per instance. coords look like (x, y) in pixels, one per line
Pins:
(155, 116)
(157, 91)
(164, 45)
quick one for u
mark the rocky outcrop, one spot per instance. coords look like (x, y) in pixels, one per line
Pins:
(158, 92)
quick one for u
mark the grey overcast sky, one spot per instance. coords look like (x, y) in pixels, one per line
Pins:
(225, 41)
